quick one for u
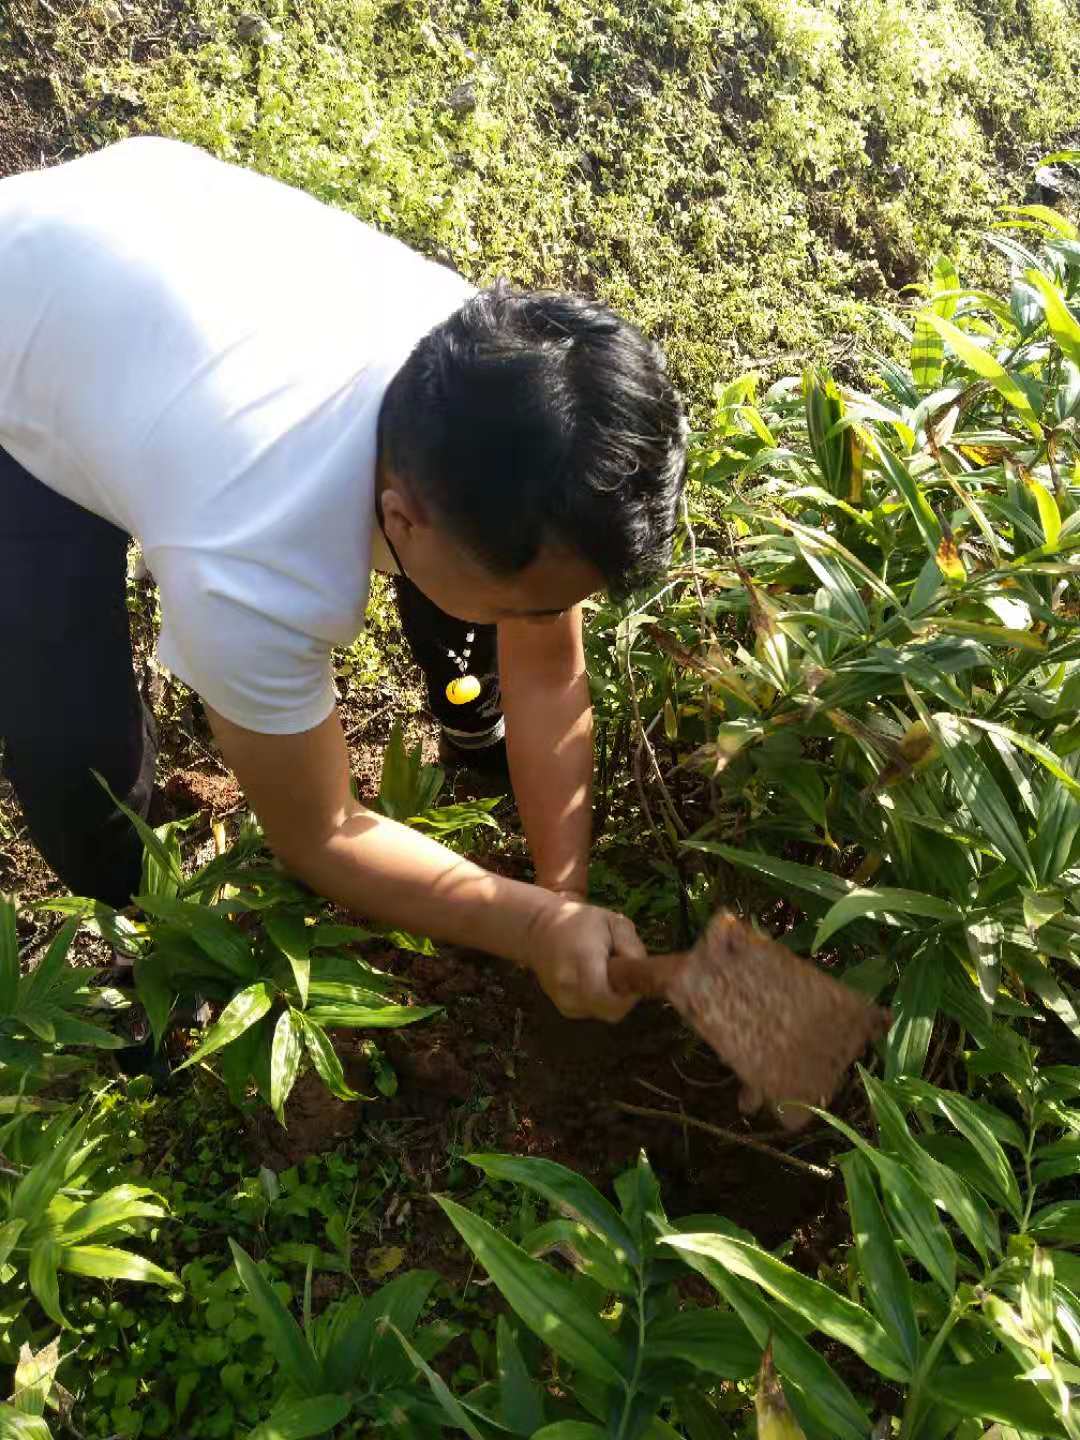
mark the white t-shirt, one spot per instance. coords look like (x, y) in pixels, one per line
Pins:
(198, 354)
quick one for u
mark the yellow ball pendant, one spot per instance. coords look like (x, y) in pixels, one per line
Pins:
(463, 689)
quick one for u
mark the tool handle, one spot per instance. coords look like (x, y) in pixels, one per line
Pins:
(646, 975)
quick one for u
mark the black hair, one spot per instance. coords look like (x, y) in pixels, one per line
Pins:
(532, 419)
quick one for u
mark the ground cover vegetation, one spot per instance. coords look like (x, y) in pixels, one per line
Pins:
(850, 711)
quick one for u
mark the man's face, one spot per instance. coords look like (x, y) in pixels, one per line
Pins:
(461, 586)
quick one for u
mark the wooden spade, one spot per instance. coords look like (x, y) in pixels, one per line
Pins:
(788, 1030)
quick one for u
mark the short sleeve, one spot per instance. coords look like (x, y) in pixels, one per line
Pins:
(253, 669)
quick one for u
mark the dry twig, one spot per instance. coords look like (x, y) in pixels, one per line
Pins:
(820, 1172)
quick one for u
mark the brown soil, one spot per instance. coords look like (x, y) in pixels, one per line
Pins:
(314, 1122)
(192, 790)
(502, 1070)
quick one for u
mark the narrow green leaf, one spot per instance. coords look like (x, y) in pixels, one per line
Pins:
(916, 1004)
(806, 878)
(1059, 1221)
(38, 1186)
(167, 857)
(324, 1057)
(34, 1377)
(242, 1011)
(301, 1419)
(869, 900)
(1037, 1297)
(284, 1061)
(967, 1208)
(1060, 320)
(356, 1344)
(830, 1312)
(840, 586)
(9, 1238)
(9, 956)
(117, 1206)
(569, 1192)
(967, 1117)
(280, 1331)
(910, 1208)
(908, 489)
(700, 1418)
(714, 1342)
(14, 1425)
(156, 995)
(585, 1250)
(1057, 829)
(216, 936)
(294, 939)
(824, 1394)
(983, 363)
(105, 1262)
(521, 1397)
(542, 1298)
(885, 1280)
(439, 1388)
(44, 1258)
(927, 356)
(571, 1430)
(365, 1017)
(984, 939)
(992, 1390)
(981, 794)
(35, 988)
(1056, 766)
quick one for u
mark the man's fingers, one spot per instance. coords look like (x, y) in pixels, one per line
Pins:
(624, 937)
(601, 999)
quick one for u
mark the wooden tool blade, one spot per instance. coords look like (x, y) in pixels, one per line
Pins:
(787, 1029)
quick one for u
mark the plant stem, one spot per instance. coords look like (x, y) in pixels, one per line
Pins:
(632, 1384)
(914, 1404)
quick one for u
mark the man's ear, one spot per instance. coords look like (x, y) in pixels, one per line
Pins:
(400, 511)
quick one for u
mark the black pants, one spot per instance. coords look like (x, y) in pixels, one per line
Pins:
(70, 704)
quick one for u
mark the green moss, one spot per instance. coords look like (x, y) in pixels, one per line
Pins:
(743, 179)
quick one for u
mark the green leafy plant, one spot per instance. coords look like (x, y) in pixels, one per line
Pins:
(239, 932)
(56, 1221)
(962, 1275)
(409, 790)
(859, 685)
(624, 1346)
(43, 1012)
(359, 1361)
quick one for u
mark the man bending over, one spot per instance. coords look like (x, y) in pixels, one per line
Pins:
(275, 399)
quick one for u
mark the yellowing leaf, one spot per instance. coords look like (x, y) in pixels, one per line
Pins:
(982, 455)
(949, 562)
(384, 1261)
(918, 747)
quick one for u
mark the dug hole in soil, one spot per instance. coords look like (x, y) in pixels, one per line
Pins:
(502, 1070)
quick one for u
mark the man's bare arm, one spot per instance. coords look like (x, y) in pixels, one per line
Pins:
(549, 740)
(298, 786)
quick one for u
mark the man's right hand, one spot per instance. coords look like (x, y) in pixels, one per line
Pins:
(567, 947)
(298, 785)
